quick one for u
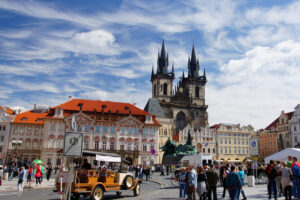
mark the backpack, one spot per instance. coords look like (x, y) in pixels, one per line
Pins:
(274, 172)
(296, 169)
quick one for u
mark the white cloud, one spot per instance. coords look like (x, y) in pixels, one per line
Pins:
(257, 86)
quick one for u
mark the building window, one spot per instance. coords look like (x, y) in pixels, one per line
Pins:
(203, 150)
(225, 141)
(1, 138)
(239, 151)
(97, 129)
(129, 146)
(221, 141)
(296, 139)
(247, 142)
(239, 142)
(221, 151)
(230, 151)
(96, 145)
(112, 129)
(197, 91)
(104, 145)
(86, 144)
(165, 89)
(295, 128)
(243, 142)
(144, 147)
(234, 150)
(122, 146)
(243, 151)
(87, 128)
(112, 145)
(123, 130)
(79, 128)
(145, 130)
(129, 130)
(151, 147)
(229, 141)
(104, 129)
(208, 150)
(214, 150)
(136, 130)
(136, 146)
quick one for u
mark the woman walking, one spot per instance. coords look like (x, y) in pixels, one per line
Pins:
(286, 181)
(201, 186)
(29, 176)
(38, 174)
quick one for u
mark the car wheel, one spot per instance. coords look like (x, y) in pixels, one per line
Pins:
(119, 193)
(75, 196)
(98, 193)
(137, 190)
(128, 182)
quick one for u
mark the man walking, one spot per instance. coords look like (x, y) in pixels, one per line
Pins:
(182, 184)
(212, 181)
(296, 178)
(272, 174)
(233, 183)
(192, 183)
(21, 179)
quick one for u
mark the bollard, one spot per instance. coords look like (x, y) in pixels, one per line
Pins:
(61, 188)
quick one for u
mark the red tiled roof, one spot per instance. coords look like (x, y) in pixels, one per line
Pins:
(91, 105)
(273, 124)
(106, 106)
(216, 126)
(8, 110)
(30, 117)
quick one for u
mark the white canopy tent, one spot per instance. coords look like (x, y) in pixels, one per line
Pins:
(283, 155)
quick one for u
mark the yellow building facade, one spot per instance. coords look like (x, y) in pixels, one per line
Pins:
(233, 142)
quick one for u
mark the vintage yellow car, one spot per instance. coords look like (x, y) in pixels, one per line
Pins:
(93, 183)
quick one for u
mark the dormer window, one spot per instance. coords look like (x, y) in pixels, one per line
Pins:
(149, 119)
(38, 119)
(126, 108)
(24, 118)
(59, 112)
(104, 106)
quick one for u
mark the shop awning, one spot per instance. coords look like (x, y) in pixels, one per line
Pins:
(108, 158)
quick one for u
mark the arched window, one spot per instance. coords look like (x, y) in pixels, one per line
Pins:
(180, 121)
(165, 88)
(197, 91)
(154, 89)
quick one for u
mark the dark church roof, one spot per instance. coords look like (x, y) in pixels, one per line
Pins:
(154, 107)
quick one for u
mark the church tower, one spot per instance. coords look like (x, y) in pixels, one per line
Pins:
(162, 80)
(186, 104)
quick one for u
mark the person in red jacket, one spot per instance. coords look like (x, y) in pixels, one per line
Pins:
(38, 175)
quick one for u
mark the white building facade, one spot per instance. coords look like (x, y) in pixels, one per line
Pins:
(204, 139)
(295, 128)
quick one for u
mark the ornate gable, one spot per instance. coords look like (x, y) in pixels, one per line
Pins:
(80, 117)
(130, 121)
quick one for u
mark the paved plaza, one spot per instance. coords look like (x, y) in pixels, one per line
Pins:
(158, 188)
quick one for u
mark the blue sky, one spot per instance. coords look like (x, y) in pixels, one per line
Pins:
(51, 50)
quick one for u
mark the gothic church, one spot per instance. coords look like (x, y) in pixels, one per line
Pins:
(183, 103)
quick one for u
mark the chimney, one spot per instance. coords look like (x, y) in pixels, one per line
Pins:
(35, 107)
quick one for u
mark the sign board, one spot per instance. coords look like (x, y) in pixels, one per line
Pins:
(153, 151)
(73, 144)
(254, 146)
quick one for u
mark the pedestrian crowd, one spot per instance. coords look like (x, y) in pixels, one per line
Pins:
(26, 174)
(203, 181)
(284, 179)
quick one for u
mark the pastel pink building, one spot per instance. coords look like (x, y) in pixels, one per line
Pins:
(6, 116)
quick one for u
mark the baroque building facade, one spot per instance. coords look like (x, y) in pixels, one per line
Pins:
(233, 141)
(106, 126)
(281, 126)
(203, 139)
(183, 103)
(295, 128)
